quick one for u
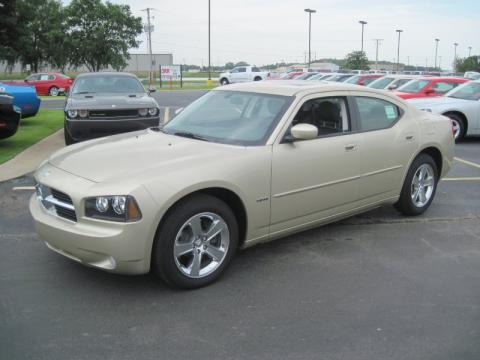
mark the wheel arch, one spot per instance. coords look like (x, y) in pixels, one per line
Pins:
(460, 114)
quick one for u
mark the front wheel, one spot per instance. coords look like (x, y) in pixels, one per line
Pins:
(54, 91)
(419, 187)
(196, 242)
(224, 81)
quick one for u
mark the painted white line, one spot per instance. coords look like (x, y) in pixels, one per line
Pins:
(466, 162)
(166, 116)
(475, 178)
(20, 188)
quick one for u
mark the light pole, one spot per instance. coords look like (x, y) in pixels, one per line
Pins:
(377, 41)
(398, 49)
(440, 62)
(436, 51)
(209, 69)
(363, 23)
(310, 12)
(455, 56)
(469, 51)
(148, 29)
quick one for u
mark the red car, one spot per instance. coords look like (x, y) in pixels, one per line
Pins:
(363, 79)
(428, 87)
(50, 83)
(291, 75)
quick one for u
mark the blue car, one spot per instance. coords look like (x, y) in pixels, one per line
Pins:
(24, 97)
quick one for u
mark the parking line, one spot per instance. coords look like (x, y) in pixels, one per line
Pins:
(466, 162)
(474, 178)
(20, 188)
(166, 116)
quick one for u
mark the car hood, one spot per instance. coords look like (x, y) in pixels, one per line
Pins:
(136, 153)
(443, 101)
(112, 101)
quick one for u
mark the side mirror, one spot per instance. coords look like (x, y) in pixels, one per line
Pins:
(151, 90)
(392, 87)
(429, 91)
(304, 131)
(178, 111)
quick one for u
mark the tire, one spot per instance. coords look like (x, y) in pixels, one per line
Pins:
(224, 81)
(68, 139)
(411, 201)
(177, 247)
(53, 91)
(257, 78)
(458, 126)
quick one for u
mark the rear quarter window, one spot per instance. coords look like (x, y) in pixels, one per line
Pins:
(376, 114)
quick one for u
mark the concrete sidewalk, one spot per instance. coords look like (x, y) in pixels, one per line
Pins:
(29, 159)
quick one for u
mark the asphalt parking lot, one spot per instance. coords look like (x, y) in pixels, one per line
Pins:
(375, 286)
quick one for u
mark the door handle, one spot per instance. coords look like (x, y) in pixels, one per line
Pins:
(351, 147)
(409, 137)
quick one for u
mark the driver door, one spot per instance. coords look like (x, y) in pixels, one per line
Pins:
(314, 180)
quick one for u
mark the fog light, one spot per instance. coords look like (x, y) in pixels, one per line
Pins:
(101, 204)
(83, 113)
(143, 112)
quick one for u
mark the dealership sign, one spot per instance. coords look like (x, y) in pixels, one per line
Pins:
(170, 72)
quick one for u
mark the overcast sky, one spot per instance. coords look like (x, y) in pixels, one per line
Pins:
(267, 31)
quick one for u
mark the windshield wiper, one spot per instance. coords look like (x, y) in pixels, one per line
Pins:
(189, 135)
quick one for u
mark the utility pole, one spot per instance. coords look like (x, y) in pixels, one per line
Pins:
(363, 23)
(377, 41)
(398, 49)
(436, 51)
(309, 11)
(440, 62)
(426, 64)
(148, 29)
(469, 51)
(455, 56)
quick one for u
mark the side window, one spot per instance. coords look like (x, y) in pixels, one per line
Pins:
(255, 69)
(33, 77)
(51, 77)
(234, 70)
(328, 114)
(443, 87)
(242, 69)
(376, 114)
(44, 77)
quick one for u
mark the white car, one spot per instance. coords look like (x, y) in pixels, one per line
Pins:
(242, 74)
(391, 82)
(461, 104)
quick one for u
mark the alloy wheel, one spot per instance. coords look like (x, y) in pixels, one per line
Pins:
(422, 187)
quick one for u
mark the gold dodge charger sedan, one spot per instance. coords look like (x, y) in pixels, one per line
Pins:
(244, 164)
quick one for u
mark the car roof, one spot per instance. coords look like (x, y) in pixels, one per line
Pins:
(92, 74)
(294, 88)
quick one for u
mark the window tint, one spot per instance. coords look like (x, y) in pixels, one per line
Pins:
(242, 69)
(368, 81)
(376, 114)
(381, 83)
(255, 69)
(44, 77)
(51, 77)
(414, 86)
(33, 77)
(443, 87)
(401, 82)
(329, 115)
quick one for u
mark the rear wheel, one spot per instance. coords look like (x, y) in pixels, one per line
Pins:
(419, 187)
(54, 91)
(257, 78)
(458, 126)
(196, 242)
(224, 81)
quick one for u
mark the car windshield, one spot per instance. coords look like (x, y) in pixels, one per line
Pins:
(107, 83)
(467, 91)
(230, 117)
(353, 79)
(414, 86)
(381, 83)
(316, 77)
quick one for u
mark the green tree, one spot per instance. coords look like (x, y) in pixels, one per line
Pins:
(229, 65)
(356, 60)
(100, 35)
(9, 33)
(241, 63)
(471, 63)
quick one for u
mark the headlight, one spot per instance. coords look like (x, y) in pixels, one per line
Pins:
(72, 113)
(427, 110)
(143, 112)
(83, 113)
(113, 208)
(153, 111)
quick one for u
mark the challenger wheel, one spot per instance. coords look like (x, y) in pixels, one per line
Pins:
(196, 242)
(53, 91)
(458, 126)
(419, 187)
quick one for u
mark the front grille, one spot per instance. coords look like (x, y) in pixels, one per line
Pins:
(61, 196)
(66, 213)
(102, 114)
(56, 202)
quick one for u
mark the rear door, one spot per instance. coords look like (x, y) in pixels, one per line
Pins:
(42, 84)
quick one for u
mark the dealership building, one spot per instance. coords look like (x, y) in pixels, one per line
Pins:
(137, 62)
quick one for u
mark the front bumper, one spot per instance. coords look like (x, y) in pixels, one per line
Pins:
(117, 247)
(86, 129)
